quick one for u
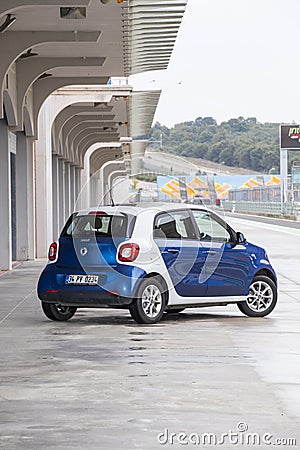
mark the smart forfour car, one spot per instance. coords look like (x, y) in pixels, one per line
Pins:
(154, 259)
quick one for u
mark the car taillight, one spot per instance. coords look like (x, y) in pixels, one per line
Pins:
(128, 252)
(98, 213)
(52, 251)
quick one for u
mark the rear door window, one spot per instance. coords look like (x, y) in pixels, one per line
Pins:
(174, 225)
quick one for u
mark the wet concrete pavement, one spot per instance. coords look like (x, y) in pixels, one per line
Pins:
(100, 381)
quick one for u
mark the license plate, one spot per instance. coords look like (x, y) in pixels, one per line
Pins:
(89, 280)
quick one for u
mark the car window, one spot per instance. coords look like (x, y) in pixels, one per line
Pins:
(174, 225)
(209, 228)
(96, 225)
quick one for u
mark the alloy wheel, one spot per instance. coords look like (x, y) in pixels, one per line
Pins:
(151, 301)
(260, 296)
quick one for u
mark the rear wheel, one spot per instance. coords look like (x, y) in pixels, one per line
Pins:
(261, 299)
(58, 312)
(150, 304)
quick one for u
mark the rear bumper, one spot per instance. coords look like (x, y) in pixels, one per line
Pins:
(117, 286)
(85, 299)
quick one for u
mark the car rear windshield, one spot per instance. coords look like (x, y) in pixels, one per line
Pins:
(93, 225)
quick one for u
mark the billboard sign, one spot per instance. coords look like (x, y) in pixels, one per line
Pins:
(290, 137)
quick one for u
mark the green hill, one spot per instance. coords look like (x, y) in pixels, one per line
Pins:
(238, 142)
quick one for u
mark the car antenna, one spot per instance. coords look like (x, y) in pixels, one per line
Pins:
(111, 198)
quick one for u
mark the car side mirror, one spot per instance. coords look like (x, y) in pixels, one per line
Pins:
(240, 238)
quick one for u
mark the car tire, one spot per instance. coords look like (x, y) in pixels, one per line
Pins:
(58, 312)
(261, 299)
(174, 310)
(149, 305)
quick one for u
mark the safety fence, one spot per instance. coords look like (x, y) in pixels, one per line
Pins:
(266, 208)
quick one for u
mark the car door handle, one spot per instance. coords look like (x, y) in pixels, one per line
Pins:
(173, 250)
(210, 252)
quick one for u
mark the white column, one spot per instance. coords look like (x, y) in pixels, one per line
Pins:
(98, 198)
(61, 193)
(72, 187)
(85, 194)
(25, 206)
(77, 187)
(93, 190)
(12, 138)
(31, 197)
(44, 224)
(5, 200)
(55, 200)
(67, 190)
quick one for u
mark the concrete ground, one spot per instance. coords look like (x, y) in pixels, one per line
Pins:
(100, 381)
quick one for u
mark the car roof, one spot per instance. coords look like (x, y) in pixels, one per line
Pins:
(138, 208)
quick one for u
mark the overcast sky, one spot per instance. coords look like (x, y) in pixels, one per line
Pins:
(232, 58)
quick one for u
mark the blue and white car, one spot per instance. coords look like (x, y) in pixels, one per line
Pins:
(154, 259)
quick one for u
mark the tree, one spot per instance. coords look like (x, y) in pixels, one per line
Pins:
(238, 142)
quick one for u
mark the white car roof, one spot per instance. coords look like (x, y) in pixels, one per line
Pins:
(137, 209)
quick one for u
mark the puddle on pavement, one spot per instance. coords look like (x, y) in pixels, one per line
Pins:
(138, 376)
(137, 362)
(138, 348)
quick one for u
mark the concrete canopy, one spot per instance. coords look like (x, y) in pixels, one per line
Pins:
(141, 110)
(75, 124)
(31, 48)
(113, 39)
(148, 23)
(102, 156)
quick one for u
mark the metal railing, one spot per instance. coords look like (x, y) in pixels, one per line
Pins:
(268, 208)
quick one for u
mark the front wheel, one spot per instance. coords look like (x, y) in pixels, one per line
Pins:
(150, 303)
(58, 312)
(261, 299)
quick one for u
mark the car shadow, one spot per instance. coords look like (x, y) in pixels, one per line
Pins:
(196, 316)
(123, 318)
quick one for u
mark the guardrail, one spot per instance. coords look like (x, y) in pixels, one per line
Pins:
(266, 208)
